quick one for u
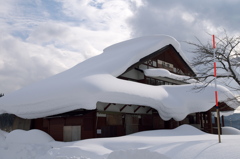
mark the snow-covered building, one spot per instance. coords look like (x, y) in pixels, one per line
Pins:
(140, 84)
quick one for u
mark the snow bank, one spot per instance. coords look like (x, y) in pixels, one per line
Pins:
(3, 135)
(230, 131)
(136, 154)
(188, 130)
(183, 130)
(223, 113)
(183, 142)
(31, 137)
(94, 80)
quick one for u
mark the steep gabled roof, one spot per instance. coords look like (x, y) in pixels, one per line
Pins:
(94, 80)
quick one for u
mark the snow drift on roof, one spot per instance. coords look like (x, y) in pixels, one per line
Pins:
(161, 72)
(95, 80)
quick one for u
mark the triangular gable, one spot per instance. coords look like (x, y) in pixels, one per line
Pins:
(166, 54)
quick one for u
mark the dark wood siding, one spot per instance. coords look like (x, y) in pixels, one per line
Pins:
(73, 121)
(89, 126)
(55, 126)
(146, 122)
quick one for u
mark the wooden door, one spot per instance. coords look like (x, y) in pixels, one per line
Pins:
(131, 123)
(71, 133)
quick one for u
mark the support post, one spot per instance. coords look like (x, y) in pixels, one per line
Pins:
(216, 92)
(218, 124)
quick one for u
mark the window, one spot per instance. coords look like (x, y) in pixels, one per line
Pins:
(159, 82)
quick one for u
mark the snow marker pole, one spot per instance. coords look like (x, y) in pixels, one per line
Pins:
(216, 92)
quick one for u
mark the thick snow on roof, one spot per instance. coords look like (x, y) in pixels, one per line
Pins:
(95, 80)
(237, 110)
(161, 72)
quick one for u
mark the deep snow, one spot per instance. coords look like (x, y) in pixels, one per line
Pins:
(94, 80)
(184, 142)
(161, 72)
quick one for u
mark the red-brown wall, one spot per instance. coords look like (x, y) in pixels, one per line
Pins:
(54, 126)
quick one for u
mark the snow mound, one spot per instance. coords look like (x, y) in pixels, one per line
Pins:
(31, 136)
(136, 154)
(183, 130)
(230, 131)
(188, 130)
(3, 135)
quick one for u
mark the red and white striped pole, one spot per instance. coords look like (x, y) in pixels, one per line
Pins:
(216, 92)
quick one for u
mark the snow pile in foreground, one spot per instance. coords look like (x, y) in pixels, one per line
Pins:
(24, 144)
(31, 137)
(3, 135)
(183, 130)
(136, 154)
(230, 131)
(94, 80)
(183, 142)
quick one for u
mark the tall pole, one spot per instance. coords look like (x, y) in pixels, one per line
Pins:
(216, 92)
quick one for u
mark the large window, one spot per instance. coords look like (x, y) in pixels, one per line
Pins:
(153, 81)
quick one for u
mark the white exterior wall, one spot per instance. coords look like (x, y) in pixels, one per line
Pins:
(134, 74)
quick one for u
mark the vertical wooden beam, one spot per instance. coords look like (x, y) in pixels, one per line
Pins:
(209, 114)
(96, 124)
(201, 119)
(219, 126)
(223, 124)
(197, 118)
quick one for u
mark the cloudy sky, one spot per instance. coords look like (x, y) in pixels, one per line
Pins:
(40, 38)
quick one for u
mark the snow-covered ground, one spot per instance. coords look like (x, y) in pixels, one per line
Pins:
(184, 142)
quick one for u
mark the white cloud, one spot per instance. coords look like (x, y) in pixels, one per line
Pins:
(22, 62)
(70, 31)
(42, 38)
(185, 19)
(73, 38)
(188, 17)
(100, 14)
(6, 7)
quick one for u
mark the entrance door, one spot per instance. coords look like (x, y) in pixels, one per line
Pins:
(71, 133)
(131, 123)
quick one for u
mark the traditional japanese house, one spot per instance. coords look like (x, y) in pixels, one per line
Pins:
(110, 119)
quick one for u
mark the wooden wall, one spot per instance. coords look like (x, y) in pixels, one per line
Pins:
(91, 125)
(56, 126)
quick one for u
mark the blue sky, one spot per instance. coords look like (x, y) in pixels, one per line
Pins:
(40, 38)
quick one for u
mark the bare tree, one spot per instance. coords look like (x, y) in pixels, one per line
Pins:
(227, 58)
